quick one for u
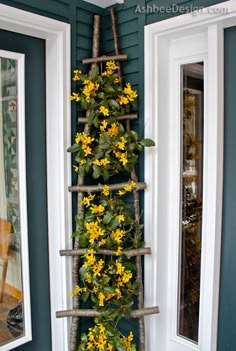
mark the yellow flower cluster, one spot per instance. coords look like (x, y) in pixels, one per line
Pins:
(111, 67)
(104, 110)
(77, 290)
(94, 230)
(98, 339)
(106, 190)
(89, 89)
(130, 95)
(75, 96)
(127, 188)
(87, 200)
(76, 74)
(102, 162)
(86, 140)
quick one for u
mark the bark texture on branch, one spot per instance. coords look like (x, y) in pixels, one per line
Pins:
(99, 187)
(127, 253)
(131, 116)
(93, 313)
(105, 58)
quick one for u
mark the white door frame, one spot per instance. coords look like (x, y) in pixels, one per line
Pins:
(162, 165)
(58, 124)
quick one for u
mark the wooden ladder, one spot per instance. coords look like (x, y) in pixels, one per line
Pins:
(76, 313)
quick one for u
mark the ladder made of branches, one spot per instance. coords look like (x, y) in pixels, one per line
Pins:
(76, 313)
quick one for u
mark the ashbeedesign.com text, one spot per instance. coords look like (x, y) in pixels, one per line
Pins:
(174, 9)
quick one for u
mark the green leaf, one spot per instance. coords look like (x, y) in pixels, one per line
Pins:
(120, 346)
(96, 171)
(95, 121)
(147, 142)
(74, 148)
(101, 95)
(109, 290)
(85, 296)
(107, 218)
(134, 135)
(109, 89)
(114, 104)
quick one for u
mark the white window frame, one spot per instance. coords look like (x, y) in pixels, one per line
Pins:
(162, 171)
(58, 128)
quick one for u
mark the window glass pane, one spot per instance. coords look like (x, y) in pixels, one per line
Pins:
(11, 314)
(191, 200)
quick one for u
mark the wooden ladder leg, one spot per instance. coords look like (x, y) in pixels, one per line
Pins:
(4, 275)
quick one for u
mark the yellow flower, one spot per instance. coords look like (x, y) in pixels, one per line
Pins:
(104, 161)
(86, 200)
(102, 242)
(130, 187)
(78, 137)
(88, 278)
(106, 190)
(97, 208)
(120, 269)
(76, 74)
(131, 94)
(118, 293)
(113, 130)
(121, 218)
(117, 80)
(112, 65)
(97, 162)
(122, 100)
(87, 150)
(77, 290)
(121, 192)
(118, 251)
(82, 162)
(104, 110)
(97, 267)
(123, 158)
(126, 277)
(101, 298)
(75, 97)
(121, 144)
(118, 235)
(103, 125)
(76, 168)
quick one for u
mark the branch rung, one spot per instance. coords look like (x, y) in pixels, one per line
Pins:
(131, 116)
(105, 58)
(96, 188)
(92, 313)
(127, 253)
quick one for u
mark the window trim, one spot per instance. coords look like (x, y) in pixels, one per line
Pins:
(158, 173)
(58, 135)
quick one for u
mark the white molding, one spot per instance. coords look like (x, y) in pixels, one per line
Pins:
(57, 37)
(161, 167)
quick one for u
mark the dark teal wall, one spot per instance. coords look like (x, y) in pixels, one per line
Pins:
(131, 41)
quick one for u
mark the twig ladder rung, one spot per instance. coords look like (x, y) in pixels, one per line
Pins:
(92, 313)
(105, 58)
(96, 188)
(117, 118)
(127, 253)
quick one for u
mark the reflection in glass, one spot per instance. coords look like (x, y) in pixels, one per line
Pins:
(191, 212)
(11, 321)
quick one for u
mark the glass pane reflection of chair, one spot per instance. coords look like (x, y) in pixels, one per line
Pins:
(5, 231)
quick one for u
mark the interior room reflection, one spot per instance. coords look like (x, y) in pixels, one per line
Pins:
(191, 178)
(11, 317)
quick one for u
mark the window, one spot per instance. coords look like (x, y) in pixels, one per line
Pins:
(184, 174)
